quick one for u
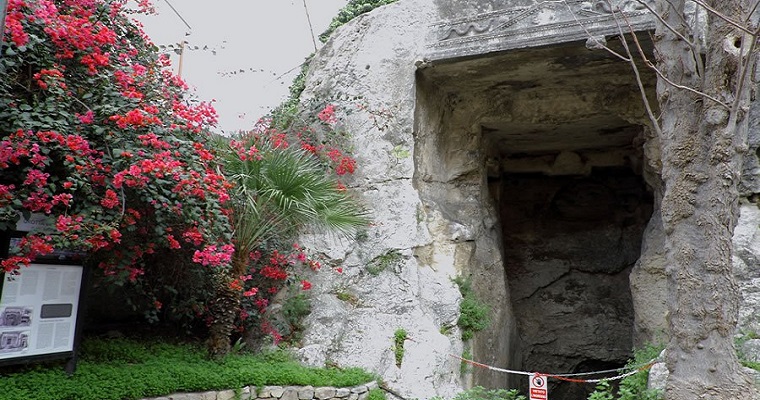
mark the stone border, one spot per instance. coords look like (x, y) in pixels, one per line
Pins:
(360, 392)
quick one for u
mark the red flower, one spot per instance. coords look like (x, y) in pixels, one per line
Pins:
(110, 200)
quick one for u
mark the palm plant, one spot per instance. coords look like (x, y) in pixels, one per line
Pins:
(277, 191)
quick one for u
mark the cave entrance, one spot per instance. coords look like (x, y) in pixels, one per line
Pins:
(551, 141)
(570, 242)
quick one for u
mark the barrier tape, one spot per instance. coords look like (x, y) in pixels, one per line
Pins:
(565, 377)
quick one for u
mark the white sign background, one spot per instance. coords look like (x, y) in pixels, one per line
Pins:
(538, 389)
(38, 310)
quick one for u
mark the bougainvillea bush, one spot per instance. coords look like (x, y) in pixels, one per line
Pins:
(97, 133)
(279, 188)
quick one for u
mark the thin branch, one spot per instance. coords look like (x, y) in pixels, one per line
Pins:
(752, 11)
(743, 72)
(663, 77)
(311, 28)
(602, 45)
(664, 23)
(723, 17)
(688, 89)
(692, 45)
(635, 68)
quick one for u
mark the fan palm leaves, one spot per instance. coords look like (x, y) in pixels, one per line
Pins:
(277, 191)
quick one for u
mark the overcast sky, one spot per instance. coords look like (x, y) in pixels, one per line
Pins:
(263, 38)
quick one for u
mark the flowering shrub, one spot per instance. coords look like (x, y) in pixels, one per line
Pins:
(98, 134)
(279, 188)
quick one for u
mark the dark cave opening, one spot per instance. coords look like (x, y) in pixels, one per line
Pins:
(570, 242)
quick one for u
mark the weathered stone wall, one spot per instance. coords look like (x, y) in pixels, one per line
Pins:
(451, 177)
(360, 392)
(455, 96)
(356, 313)
(570, 243)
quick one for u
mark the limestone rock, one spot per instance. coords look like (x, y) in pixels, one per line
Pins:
(306, 393)
(658, 376)
(746, 258)
(290, 393)
(230, 395)
(324, 393)
(274, 391)
(750, 350)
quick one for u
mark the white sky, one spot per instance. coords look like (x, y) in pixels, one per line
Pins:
(265, 38)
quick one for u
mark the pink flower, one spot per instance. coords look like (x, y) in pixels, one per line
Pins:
(327, 115)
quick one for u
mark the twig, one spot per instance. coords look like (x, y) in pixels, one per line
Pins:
(635, 68)
(743, 72)
(752, 11)
(659, 17)
(692, 45)
(723, 17)
(688, 89)
(605, 47)
(666, 79)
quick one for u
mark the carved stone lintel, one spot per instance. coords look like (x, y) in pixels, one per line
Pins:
(546, 22)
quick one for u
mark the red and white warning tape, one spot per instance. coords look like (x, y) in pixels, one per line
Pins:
(566, 377)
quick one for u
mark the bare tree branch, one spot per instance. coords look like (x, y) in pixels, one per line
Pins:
(743, 71)
(660, 74)
(600, 44)
(642, 91)
(752, 11)
(694, 46)
(723, 17)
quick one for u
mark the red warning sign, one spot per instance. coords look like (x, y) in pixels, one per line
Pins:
(538, 389)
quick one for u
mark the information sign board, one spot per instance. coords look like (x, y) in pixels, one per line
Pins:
(38, 310)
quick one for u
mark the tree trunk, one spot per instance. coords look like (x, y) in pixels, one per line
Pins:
(225, 307)
(223, 310)
(702, 147)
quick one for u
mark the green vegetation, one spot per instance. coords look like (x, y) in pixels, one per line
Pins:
(473, 313)
(295, 309)
(284, 115)
(376, 394)
(390, 258)
(353, 9)
(399, 337)
(480, 393)
(633, 387)
(347, 297)
(121, 369)
(738, 344)
(465, 367)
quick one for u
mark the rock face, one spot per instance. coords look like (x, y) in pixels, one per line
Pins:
(569, 250)
(493, 142)
(357, 312)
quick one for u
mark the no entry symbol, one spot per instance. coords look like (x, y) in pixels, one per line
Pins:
(538, 390)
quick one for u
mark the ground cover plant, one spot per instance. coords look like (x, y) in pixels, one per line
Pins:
(122, 369)
(633, 387)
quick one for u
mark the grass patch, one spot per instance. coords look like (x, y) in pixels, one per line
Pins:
(122, 369)
(399, 337)
(376, 394)
(390, 259)
(473, 313)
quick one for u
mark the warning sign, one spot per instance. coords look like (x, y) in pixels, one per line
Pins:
(538, 390)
